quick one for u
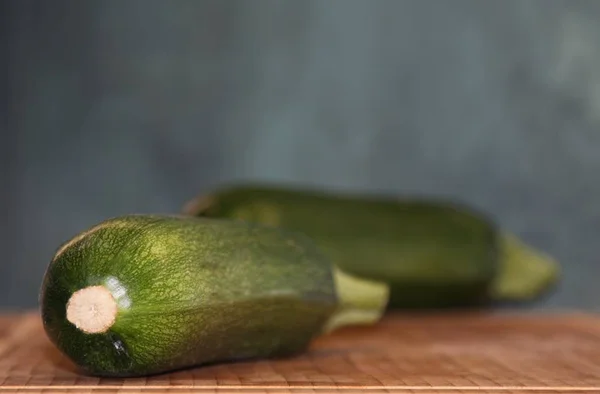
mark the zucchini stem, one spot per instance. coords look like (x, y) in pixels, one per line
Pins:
(361, 301)
(92, 309)
(198, 205)
(525, 272)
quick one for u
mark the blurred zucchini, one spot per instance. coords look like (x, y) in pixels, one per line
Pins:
(432, 253)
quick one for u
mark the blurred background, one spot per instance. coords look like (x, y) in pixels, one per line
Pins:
(117, 107)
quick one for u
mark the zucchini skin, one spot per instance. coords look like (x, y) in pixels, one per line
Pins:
(432, 253)
(190, 291)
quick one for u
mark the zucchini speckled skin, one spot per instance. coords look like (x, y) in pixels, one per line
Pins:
(189, 291)
(433, 253)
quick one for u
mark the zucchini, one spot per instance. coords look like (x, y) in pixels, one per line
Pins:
(432, 253)
(144, 294)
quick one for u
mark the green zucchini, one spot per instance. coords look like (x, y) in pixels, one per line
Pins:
(144, 294)
(432, 252)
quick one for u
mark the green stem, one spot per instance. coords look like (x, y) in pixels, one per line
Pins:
(362, 301)
(525, 272)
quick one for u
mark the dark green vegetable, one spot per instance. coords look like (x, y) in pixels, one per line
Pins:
(145, 294)
(433, 253)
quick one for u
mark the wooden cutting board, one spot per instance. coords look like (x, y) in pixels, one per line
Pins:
(443, 353)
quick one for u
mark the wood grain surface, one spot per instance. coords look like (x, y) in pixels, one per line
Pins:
(443, 353)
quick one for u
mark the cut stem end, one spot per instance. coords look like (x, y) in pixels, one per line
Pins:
(92, 309)
(525, 272)
(362, 301)
(197, 205)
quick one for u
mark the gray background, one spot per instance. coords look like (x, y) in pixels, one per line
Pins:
(135, 106)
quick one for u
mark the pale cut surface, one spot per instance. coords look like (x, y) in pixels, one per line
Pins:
(92, 309)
